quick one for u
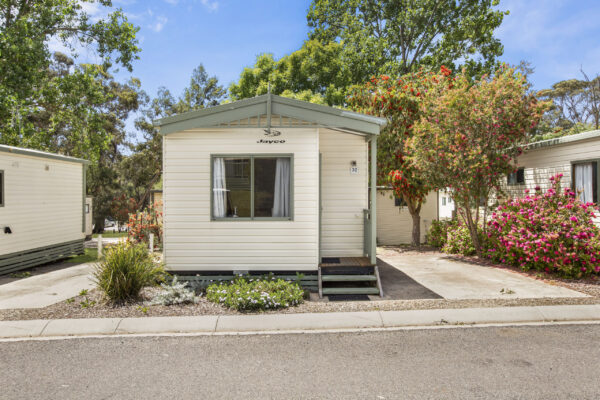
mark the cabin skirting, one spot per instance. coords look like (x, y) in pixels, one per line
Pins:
(38, 256)
(307, 279)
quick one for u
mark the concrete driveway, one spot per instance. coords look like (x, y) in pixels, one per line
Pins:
(46, 289)
(454, 279)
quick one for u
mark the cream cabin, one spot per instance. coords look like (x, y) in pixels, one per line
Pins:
(575, 156)
(269, 184)
(42, 207)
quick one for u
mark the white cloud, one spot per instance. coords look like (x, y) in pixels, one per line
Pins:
(211, 5)
(159, 23)
(173, 2)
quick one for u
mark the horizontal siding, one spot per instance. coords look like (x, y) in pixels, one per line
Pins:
(540, 164)
(394, 224)
(344, 196)
(42, 207)
(193, 242)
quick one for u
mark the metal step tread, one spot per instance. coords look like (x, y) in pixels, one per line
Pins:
(354, 290)
(347, 278)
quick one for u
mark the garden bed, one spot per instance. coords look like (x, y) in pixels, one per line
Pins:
(101, 309)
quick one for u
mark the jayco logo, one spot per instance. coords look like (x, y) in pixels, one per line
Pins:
(271, 133)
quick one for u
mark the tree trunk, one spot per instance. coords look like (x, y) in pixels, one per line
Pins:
(472, 225)
(415, 213)
(416, 230)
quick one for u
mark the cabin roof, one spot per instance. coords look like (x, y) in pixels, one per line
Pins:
(40, 154)
(563, 140)
(257, 112)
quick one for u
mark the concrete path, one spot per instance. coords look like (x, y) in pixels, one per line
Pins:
(286, 323)
(43, 290)
(454, 279)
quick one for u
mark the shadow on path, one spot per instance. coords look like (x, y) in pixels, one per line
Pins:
(399, 286)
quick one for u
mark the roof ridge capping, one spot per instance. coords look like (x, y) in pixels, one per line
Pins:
(317, 113)
(42, 154)
(563, 139)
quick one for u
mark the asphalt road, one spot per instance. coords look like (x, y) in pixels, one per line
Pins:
(551, 362)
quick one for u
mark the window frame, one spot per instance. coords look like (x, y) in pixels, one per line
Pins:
(595, 177)
(516, 173)
(252, 156)
(2, 186)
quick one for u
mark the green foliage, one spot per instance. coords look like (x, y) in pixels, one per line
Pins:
(469, 135)
(575, 108)
(459, 241)
(143, 168)
(125, 270)
(397, 37)
(20, 275)
(30, 85)
(250, 294)
(88, 255)
(438, 233)
(316, 72)
(174, 293)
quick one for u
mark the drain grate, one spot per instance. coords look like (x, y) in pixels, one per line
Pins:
(330, 260)
(348, 297)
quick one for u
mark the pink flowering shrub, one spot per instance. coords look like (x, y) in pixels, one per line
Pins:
(551, 232)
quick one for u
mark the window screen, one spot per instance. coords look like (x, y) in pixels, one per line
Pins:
(517, 177)
(584, 181)
(251, 187)
(1, 188)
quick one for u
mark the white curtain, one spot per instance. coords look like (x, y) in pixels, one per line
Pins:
(219, 188)
(281, 198)
(584, 175)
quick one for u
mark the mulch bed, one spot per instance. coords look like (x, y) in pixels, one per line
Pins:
(98, 307)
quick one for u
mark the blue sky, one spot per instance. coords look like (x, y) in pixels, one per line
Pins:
(556, 36)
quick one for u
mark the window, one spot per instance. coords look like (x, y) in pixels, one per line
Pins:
(87, 208)
(443, 201)
(585, 181)
(399, 202)
(252, 187)
(517, 177)
(1, 188)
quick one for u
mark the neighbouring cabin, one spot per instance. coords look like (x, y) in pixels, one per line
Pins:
(42, 207)
(575, 156)
(394, 222)
(269, 184)
(89, 217)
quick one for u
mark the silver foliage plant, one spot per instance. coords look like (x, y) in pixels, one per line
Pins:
(174, 293)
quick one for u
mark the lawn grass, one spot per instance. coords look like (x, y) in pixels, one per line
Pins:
(111, 234)
(89, 256)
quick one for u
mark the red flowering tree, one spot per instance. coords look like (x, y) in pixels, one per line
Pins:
(470, 134)
(398, 100)
(121, 207)
(142, 224)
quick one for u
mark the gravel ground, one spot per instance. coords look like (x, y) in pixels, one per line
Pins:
(99, 308)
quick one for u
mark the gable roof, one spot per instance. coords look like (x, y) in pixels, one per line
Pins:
(563, 140)
(269, 104)
(40, 154)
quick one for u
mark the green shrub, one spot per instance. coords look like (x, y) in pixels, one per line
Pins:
(438, 233)
(248, 293)
(125, 270)
(459, 241)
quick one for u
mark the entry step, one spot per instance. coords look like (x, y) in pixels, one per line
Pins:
(354, 290)
(348, 278)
